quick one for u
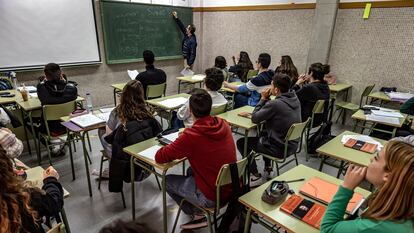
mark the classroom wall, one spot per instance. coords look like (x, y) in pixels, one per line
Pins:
(377, 50)
(97, 79)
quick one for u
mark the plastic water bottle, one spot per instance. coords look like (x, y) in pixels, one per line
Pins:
(89, 105)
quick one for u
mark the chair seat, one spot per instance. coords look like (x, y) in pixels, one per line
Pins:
(347, 106)
(104, 154)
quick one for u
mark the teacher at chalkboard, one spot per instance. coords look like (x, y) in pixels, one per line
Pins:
(189, 43)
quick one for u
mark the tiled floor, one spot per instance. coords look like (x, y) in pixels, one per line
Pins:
(88, 215)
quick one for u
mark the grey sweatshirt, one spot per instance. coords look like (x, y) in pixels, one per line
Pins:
(278, 114)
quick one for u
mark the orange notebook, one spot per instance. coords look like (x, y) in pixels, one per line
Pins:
(324, 191)
(305, 210)
(361, 145)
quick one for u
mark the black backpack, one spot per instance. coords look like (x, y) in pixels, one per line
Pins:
(320, 137)
(234, 213)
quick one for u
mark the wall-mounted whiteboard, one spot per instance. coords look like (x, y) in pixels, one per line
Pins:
(36, 32)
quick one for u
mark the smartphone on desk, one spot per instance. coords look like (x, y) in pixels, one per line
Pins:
(6, 94)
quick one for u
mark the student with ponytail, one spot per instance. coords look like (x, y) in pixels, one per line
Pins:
(390, 207)
(310, 88)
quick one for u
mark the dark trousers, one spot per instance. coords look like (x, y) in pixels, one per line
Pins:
(175, 122)
(253, 143)
(240, 100)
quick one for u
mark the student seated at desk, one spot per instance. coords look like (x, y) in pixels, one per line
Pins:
(249, 93)
(23, 208)
(208, 145)
(212, 84)
(312, 87)
(390, 207)
(54, 89)
(286, 66)
(241, 65)
(221, 64)
(278, 114)
(151, 75)
(129, 123)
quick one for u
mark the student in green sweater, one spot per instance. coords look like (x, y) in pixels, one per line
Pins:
(390, 207)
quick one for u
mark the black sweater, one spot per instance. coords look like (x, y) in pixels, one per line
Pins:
(47, 204)
(189, 43)
(151, 76)
(308, 94)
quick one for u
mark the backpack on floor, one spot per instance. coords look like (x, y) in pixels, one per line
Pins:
(320, 137)
(233, 219)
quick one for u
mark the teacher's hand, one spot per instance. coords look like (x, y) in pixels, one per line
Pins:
(174, 14)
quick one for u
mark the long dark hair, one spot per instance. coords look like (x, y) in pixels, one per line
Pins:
(13, 197)
(244, 64)
(287, 67)
(132, 105)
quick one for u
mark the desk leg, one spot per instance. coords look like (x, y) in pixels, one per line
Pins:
(246, 137)
(394, 131)
(164, 201)
(133, 187)
(322, 162)
(25, 133)
(85, 156)
(346, 99)
(355, 126)
(115, 97)
(247, 221)
(179, 86)
(34, 138)
(65, 220)
(341, 167)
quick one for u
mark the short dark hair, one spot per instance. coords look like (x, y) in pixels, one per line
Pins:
(264, 60)
(200, 103)
(319, 71)
(52, 71)
(214, 79)
(148, 56)
(192, 29)
(220, 62)
(282, 82)
(120, 226)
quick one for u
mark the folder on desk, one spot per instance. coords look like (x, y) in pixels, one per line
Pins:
(87, 120)
(324, 191)
(304, 210)
(361, 145)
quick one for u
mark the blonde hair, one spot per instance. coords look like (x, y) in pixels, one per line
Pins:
(394, 200)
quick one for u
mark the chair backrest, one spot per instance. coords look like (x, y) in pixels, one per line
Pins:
(56, 111)
(224, 177)
(296, 130)
(59, 228)
(154, 91)
(365, 94)
(251, 74)
(318, 107)
(218, 109)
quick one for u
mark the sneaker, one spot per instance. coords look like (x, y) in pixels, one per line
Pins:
(255, 180)
(267, 174)
(196, 223)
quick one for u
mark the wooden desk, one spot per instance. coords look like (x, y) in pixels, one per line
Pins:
(272, 213)
(337, 150)
(234, 119)
(11, 100)
(379, 95)
(188, 79)
(82, 132)
(168, 110)
(360, 116)
(118, 87)
(143, 162)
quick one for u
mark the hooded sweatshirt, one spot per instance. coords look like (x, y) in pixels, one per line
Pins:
(256, 85)
(278, 114)
(208, 145)
(308, 94)
(56, 92)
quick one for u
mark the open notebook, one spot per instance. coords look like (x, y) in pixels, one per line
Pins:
(324, 191)
(87, 120)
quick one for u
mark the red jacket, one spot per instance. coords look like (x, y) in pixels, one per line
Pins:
(208, 145)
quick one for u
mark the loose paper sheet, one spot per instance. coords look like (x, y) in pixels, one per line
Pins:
(106, 109)
(198, 77)
(172, 136)
(104, 116)
(187, 72)
(87, 120)
(387, 113)
(132, 74)
(382, 119)
(150, 152)
(174, 102)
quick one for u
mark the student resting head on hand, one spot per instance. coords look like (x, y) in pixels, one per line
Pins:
(391, 206)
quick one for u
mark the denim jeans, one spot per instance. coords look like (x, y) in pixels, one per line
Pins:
(240, 100)
(180, 187)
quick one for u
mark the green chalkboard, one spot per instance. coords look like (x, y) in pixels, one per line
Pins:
(130, 28)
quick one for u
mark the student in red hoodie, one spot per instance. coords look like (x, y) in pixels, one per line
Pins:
(207, 145)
